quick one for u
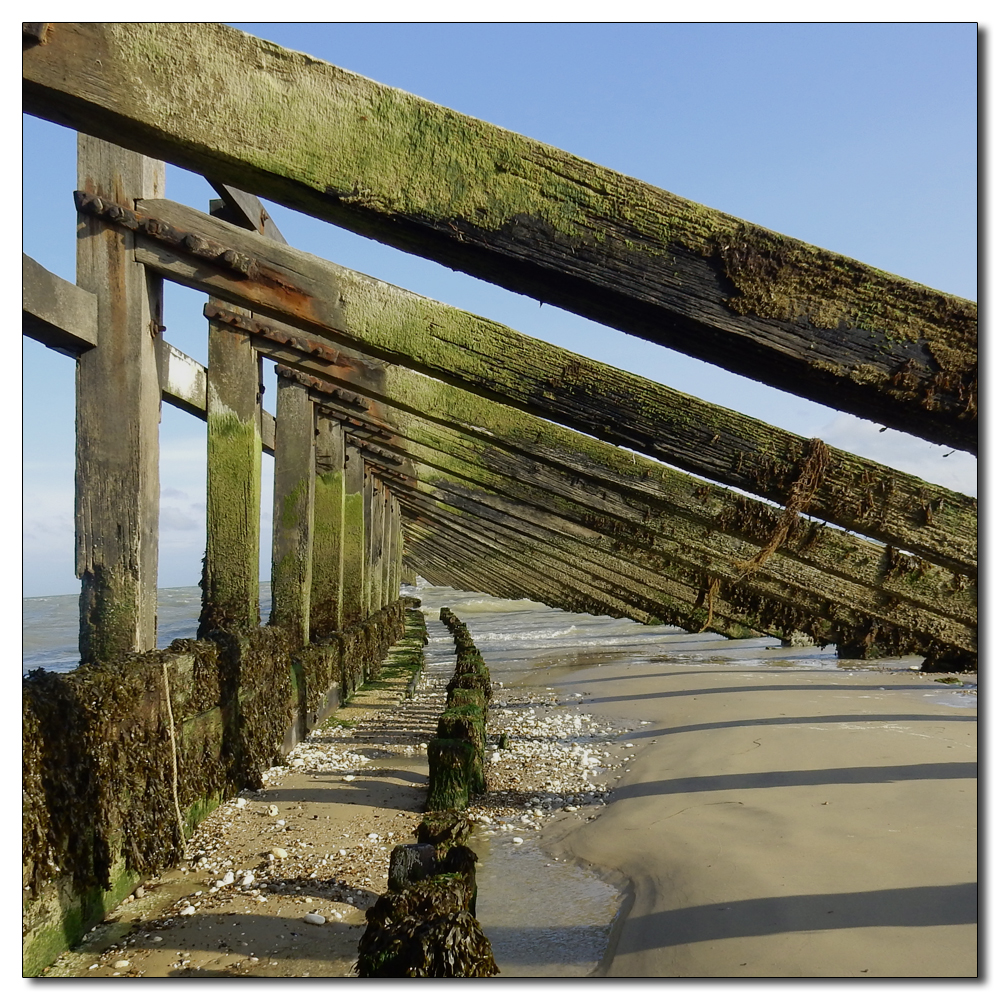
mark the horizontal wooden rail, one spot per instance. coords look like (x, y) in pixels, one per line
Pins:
(518, 213)
(63, 317)
(55, 312)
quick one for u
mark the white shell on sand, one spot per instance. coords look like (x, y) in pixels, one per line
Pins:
(188, 911)
(279, 852)
(272, 810)
(122, 964)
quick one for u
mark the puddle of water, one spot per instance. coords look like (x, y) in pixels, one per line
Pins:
(544, 918)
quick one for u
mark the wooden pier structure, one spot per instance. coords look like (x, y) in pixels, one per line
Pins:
(410, 437)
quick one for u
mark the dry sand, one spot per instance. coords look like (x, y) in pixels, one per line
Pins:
(773, 817)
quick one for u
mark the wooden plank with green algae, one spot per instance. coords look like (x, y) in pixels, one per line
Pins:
(362, 314)
(519, 213)
(588, 481)
(230, 579)
(354, 608)
(789, 588)
(536, 567)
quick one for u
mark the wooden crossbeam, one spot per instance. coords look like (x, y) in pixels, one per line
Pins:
(63, 317)
(342, 308)
(518, 213)
(55, 312)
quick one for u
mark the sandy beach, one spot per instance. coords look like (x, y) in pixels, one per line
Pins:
(720, 810)
(787, 820)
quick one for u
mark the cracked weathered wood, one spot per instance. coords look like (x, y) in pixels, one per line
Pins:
(346, 308)
(525, 215)
(117, 416)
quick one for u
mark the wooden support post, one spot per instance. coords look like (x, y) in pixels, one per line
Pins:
(370, 540)
(117, 416)
(354, 608)
(392, 587)
(294, 476)
(326, 605)
(231, 578)
(378, 544)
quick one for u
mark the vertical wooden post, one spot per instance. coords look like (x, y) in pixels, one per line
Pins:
(397, 539)
(230, 581)
(378, 543)
(294, 475)
(117, 415)
(369, 543)
(388, 551)
(354, 608)
(326, 606)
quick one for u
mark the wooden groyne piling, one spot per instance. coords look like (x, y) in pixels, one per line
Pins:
(410, 437)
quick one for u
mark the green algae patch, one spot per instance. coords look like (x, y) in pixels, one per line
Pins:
(231, 570)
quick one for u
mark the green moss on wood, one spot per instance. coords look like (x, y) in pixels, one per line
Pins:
(231, 568)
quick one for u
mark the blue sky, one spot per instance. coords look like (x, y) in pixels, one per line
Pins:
(861, 138)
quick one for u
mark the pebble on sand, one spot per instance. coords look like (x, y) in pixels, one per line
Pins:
(279, 852)
(314, 918)
(122, 963)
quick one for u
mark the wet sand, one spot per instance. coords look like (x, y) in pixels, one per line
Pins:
(787, 818)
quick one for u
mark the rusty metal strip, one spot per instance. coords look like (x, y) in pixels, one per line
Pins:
(225, 258)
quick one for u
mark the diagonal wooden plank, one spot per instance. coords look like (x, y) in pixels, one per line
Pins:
(55, 312)
(518, 213)
(815, 577)
(347, 308)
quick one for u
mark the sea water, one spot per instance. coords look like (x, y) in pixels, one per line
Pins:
(50, 626)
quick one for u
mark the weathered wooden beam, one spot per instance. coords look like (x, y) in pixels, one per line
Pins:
(294, 478)
(525, 215)
(485, 557)
(788, 599)
(117, 416)
(326, 601)
(245, 210)
(818, 573)
(55, 312)
(501, 364)
(586, 481)
(183, 381)
(231, 576)
(474, 563)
